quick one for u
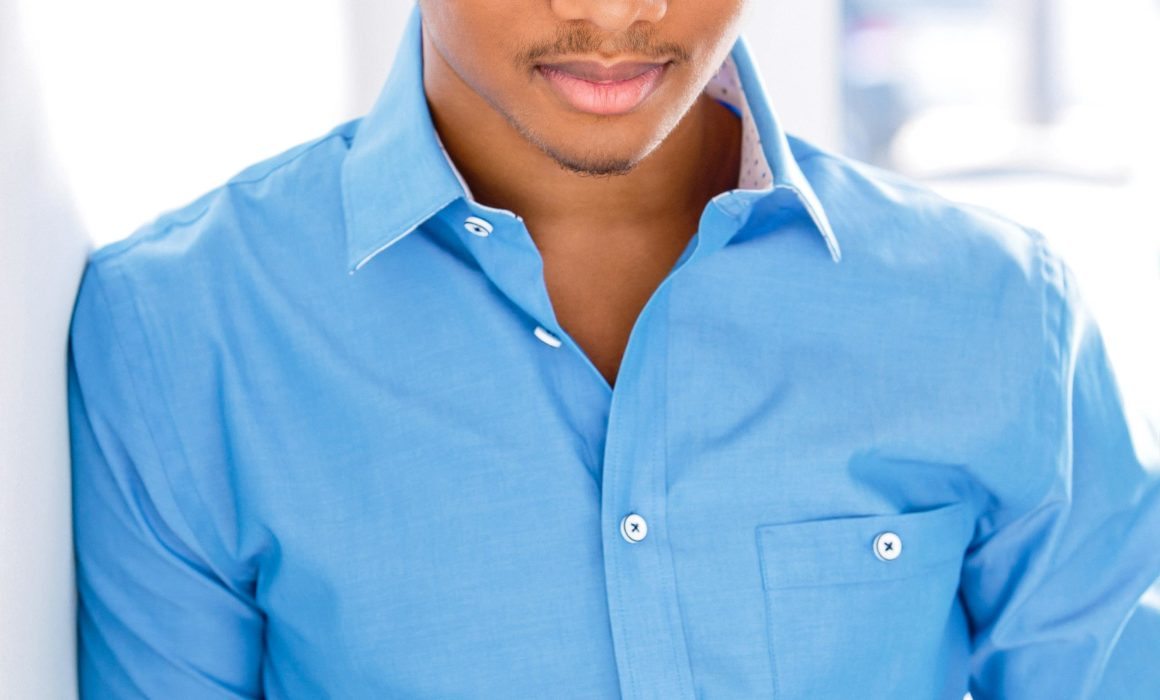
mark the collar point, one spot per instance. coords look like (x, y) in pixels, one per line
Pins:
(835, 251)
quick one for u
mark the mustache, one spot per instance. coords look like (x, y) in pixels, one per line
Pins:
(584, 39)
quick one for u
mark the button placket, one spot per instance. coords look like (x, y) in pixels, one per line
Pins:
(648, 634)
(508, 257)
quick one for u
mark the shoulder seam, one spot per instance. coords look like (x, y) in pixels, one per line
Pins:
(1052, 279)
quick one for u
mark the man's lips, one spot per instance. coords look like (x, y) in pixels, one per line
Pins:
(597, 89)
(598, 73)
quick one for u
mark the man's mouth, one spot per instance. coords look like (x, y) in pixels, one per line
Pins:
(591, 87)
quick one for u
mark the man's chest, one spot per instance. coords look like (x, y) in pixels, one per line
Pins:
(459, 490)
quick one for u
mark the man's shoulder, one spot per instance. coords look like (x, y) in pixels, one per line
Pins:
(250, 213)
(895, 228)
(218, 261)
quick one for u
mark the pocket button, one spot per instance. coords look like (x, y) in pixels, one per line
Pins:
(887, 546)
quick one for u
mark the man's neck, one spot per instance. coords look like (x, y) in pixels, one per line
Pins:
(667, 190)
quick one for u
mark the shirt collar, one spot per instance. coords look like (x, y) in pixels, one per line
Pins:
(397, 175)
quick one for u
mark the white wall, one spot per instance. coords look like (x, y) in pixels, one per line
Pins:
(373, 30)
(41, 254)
(149, 104)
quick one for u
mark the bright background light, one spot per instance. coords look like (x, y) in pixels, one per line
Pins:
(148, 104)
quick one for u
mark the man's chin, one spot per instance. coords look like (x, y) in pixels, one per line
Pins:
(589, 154)
(606, 167)
(595, 162)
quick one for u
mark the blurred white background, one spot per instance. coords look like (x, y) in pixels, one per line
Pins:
(113, 112)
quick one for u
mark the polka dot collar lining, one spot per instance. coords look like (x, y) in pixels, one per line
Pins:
(725, 86)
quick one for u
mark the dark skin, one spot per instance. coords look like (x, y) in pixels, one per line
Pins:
(610, 201)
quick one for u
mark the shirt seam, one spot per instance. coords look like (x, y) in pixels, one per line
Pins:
(670, 569)
(1052, 371)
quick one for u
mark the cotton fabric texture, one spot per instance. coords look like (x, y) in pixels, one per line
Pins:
(330, 441)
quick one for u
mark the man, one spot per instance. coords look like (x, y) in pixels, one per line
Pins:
(567, 373)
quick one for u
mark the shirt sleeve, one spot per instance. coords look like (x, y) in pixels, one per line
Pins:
(158, 617)
(1053, 577)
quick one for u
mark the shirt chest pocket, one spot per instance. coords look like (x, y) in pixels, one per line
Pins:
(865, 605)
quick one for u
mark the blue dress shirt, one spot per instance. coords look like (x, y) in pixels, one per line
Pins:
(331, 441)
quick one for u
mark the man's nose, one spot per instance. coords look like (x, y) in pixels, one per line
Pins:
(611, 15)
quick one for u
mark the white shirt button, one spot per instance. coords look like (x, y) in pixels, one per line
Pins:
(887, 546)
(543, 334)
(477, 226)
(633, 527)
